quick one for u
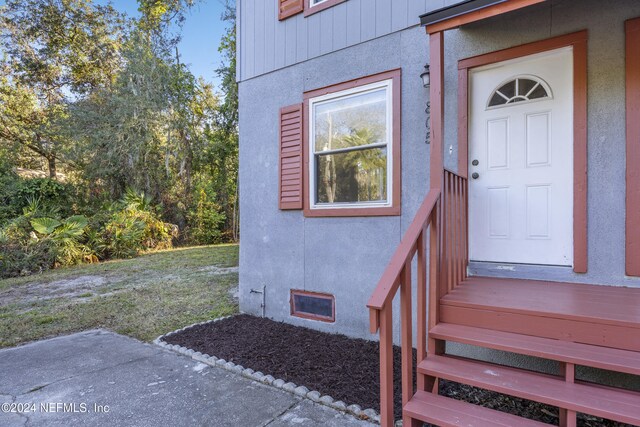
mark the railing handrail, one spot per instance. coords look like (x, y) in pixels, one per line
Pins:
(440, 218)
(388, 284)
(459, 174)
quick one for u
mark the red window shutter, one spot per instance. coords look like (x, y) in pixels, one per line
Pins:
(290, 184)
(287, 8)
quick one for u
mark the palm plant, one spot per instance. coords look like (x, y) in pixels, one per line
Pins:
(65, 237)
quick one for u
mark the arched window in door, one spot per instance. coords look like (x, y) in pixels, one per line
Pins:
(519, 89)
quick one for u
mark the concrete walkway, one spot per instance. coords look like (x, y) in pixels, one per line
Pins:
(98, 378)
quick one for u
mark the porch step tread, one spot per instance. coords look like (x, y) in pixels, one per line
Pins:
(614, 404)
(446, 412)
(605, 304)
(563, 351)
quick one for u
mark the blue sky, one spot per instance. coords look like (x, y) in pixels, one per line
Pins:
(201, 35)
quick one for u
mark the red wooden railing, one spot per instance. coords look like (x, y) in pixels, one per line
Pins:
(447, 260)
(454, 231)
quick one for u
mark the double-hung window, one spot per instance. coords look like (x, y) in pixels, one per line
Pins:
(352, 145)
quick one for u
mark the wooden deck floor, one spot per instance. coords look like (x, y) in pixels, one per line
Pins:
(600, 315)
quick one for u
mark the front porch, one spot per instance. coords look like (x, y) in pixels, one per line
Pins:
(566, 324)
(570, 324)
(607, 316)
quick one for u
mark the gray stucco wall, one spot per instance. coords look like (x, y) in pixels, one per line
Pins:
(342, 256)
(346, 256)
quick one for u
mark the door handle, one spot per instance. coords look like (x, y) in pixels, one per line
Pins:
(475, 175)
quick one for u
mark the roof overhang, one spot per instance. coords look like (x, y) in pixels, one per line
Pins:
(469, 11)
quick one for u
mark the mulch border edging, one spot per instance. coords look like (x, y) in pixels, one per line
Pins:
(301, 391)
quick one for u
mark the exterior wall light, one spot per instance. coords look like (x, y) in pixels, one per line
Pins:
(425, 76)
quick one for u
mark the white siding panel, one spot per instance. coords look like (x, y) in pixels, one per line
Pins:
(415, 9)
(259, 39)
(313, 35)
(326, 31)
(367, 20)
(266, 44)
(280, 42)
(249, 44)
(400, 14)
(353, 22)
(239, 37)
(270, 20)
(439, 4)
(383, 17)
(340, 26)
(302, 47)
(291, 41)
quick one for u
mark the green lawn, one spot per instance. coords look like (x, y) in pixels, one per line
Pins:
(143, 297)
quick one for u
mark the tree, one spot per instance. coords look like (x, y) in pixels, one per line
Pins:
(160, 14)
(120, 132)
(225, 156)
(54, 51)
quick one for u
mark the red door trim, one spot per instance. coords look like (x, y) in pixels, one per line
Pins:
(578, 41)
(632, 222)
(436, 95)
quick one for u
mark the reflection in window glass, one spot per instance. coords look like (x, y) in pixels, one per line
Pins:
(350, 145)
(353, 176)
(351, 121)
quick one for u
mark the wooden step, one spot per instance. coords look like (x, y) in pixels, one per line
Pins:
(609, 403)
(446, 412)
(563, 351)
(610, 305)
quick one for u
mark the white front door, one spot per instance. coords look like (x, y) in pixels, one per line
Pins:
(521, 160)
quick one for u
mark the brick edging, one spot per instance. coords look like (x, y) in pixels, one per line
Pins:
(301, 391)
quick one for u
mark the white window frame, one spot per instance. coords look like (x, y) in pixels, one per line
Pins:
(347, 93)
(312, 4)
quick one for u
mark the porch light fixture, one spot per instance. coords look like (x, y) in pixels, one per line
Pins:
(425, 76)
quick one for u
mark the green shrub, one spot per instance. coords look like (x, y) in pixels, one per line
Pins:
(66, 237)
(40, 239)
(55, 198)
(133, 229)
(31, 244)
(23, 259)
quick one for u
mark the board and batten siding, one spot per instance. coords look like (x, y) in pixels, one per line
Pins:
(267, 44)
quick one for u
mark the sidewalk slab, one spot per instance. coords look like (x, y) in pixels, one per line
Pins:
(99, 378)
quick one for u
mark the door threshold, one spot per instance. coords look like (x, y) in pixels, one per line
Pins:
(555, 273)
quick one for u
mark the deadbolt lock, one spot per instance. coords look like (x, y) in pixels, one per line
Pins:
(475, 163)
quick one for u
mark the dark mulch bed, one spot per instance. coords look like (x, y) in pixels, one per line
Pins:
(345, 368)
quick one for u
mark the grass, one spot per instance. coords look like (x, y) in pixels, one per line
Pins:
(143, 297)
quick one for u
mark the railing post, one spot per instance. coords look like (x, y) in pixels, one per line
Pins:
(442, 283)
(435, 283)
(397, 277)
(421, 305)
(386, 366)
(447, 227)
(465, 223)
(568, 417)
(406, 334)
(458, 230)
